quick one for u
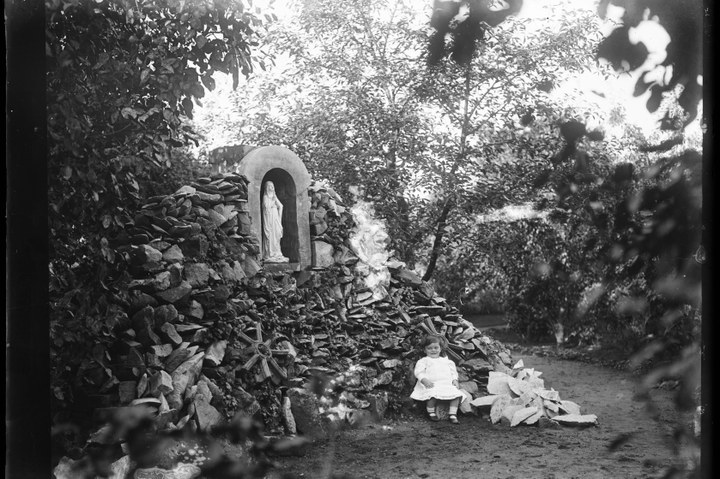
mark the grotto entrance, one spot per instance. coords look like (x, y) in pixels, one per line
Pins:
(282, 168)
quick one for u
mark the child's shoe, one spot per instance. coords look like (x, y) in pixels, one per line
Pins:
(453, 419)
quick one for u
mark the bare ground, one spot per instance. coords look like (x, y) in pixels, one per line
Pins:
(413, 447)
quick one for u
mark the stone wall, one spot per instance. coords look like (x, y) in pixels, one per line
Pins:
(210, 333)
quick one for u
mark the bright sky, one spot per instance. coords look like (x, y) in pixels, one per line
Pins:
(616, 91)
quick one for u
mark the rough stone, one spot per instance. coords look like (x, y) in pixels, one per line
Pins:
(180, 471)
(250, 267)
(207, 415)
(305, 408)
(161, 281)
(175, 270)
(239, 271)
(184, 376)
(175, 295)
(170, 333)
(165, 314)
(318, 228)
(465, 406)
(322, 254)
(384, 378)
(409, 277)
(227, 273)
(142, 385)
(197, 274)
(345, 257)
(216, 218)
(470, 386)
(163, 350)
(173, 254)
(378, 404)
(176, 358)
(139, 300)
(195, 246)
(127, 391)
(216, 352)
(160, 382)
(317, 215)
(194, 310)
(145, 254)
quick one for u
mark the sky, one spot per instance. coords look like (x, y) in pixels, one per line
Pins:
(616, 91)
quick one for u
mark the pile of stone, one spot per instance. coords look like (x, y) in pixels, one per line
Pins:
(207, 332)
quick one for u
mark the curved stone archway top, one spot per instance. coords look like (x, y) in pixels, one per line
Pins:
(277, 163)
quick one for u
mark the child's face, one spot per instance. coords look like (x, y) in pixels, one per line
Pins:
(433, 350)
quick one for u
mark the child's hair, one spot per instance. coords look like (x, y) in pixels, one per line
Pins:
(434, 339)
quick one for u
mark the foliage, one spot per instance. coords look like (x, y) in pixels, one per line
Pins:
(121, 78)
(363, 109)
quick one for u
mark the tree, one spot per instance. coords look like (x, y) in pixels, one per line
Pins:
(122, 76)
(360, 106)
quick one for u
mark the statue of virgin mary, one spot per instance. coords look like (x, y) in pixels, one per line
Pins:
(272, 210)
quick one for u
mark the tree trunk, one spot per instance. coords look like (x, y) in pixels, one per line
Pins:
(437, 244)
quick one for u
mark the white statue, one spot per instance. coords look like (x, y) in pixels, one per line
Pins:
(272, 210)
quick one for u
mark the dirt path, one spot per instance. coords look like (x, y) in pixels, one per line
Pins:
(476, 448)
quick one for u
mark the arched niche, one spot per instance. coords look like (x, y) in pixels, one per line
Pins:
(291, 179)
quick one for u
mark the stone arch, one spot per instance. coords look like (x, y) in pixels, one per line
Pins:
(291, 178)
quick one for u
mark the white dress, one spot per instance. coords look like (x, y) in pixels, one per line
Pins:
(442, 372)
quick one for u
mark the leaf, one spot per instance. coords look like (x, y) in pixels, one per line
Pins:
(144, 75)
(570, 407)
(188, 107)
(535, 417)
(496, 411)
(519, 387)
(128, 112)
(576, 419)
(522, 414)
(498, 383)
(485, 400)
(208, 81)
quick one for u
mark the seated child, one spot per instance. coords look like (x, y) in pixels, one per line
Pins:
(437, 379)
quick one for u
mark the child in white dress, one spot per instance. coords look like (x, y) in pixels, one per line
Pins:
(437, 379)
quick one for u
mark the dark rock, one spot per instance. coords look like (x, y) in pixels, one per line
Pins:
(176, 358)
(322, 254)
(165, 314)
(305, 408)
(250, 266)
(127, 391)
(139, 300)
(194, 310)
(170, 333)
(318, 228)
(162, 350)
(173, 254)
(175, 271)
(221, 293)
(197, 274)
(145, 254)
(409, 277)
(161, 281)
(175, 295)
(215, 353)
(184, 376)
(160, 383)
(378, 404)
(195, 246)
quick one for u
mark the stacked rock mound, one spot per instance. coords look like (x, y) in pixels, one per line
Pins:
(209, 333)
